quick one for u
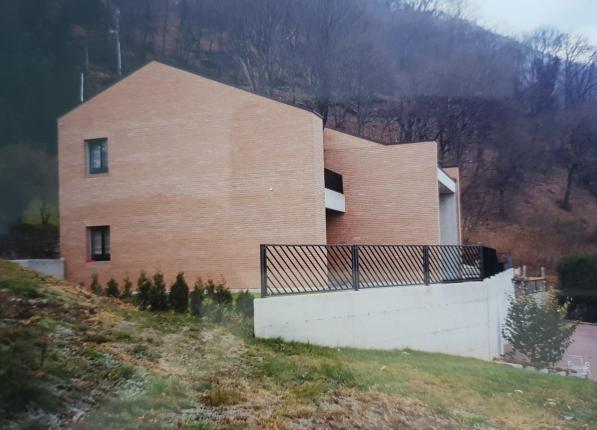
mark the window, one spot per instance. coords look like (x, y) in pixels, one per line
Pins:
(99, 243)
(333, 181)
(97, 156)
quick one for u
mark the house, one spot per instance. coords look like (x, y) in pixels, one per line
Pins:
(167, 170)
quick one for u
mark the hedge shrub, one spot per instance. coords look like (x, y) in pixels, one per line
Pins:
(578, 283)
(144, 288)
(127, 289)
(158, 296)
(244, 304)
(196, 297)
(218, 293)
(96, 287)
(179, 294)
(112, 289)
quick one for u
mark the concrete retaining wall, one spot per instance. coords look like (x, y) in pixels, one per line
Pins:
(48, 267)
(460, 318)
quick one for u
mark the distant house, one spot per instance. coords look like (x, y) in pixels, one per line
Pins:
(170, 171)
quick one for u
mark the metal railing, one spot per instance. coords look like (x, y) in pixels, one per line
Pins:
(297, 269)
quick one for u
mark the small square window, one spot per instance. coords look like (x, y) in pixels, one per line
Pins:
(97, 156)
(99, 243)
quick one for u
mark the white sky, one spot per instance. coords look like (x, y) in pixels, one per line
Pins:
(514, 17)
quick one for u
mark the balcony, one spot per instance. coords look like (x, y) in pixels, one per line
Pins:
(334, 191)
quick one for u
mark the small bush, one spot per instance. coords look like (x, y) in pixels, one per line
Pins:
(244, 304)
(539, 332)
(96, 287)
(218, 293)
(119, 372)
(197, 296)
(112, 289)
(144, 288)
(215, 311)
(127, 289)
(158, 296)
(179, 294)
(578, 282)
(221, 396)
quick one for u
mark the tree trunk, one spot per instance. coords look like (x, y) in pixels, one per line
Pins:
(565, 202)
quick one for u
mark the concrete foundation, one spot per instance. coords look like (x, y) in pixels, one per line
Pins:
(459, 318)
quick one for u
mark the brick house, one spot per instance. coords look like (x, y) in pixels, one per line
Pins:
(167, 170)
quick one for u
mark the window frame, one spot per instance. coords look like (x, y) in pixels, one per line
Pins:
(104, 165)
(104, 231)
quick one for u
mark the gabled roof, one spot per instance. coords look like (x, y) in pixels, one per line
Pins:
(115, 85)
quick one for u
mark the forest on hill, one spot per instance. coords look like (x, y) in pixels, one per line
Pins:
(517, 114)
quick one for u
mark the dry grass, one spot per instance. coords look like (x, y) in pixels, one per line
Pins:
(176, 371)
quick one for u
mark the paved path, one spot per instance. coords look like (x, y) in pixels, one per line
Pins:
(585, 345)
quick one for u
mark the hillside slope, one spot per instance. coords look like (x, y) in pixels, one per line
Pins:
(72, 359)
(535, 229)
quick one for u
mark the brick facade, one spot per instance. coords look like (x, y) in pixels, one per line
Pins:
(391, 191)
(201, 173)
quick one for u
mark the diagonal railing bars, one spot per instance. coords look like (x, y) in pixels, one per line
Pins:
(297, 269)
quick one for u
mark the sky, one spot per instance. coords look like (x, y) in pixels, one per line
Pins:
(513, 17)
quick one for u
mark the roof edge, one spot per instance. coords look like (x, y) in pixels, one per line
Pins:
(192, 72)
(349, 133)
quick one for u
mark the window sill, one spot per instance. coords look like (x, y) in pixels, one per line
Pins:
(96, 175)
(98, 262)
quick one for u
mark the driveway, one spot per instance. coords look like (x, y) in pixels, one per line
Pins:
(585, 345)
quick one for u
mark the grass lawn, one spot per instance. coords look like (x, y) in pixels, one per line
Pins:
(90, 362)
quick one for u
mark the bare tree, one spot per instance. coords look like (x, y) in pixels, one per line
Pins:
(331, 28)
(580, 71)
(257, 38)
(577, 150)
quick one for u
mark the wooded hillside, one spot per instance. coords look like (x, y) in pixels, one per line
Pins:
(518, 115)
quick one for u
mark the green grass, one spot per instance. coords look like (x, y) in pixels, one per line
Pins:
(159, 396)
(221, 366)
(22, 288)
(474, 391)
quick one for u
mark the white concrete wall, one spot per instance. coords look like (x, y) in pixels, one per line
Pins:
(50, 267)
(448, 217)
(460, 318)
(334, 200)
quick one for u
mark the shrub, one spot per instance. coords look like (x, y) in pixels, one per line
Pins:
(112, 288)
(578, 282)
(244, 304)
(197, 296)
(96, 287)
(158, 296)
(221, 396)
(144, 288)
(179, 294)
(218, 293)
(539, 332)
(127, 289)
(215, 311)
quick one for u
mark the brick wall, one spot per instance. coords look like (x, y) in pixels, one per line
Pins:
(200, 174)
(391, 191)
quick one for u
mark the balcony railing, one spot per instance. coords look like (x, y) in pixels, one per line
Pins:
(297, 269)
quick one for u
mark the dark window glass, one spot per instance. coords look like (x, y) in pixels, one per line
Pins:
(333, 181)
(97, 156)
(99, 243)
